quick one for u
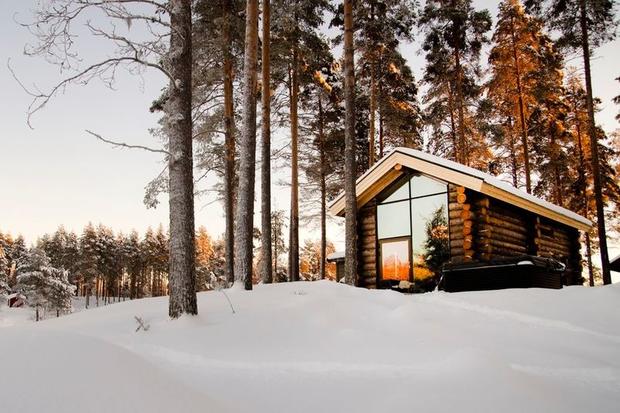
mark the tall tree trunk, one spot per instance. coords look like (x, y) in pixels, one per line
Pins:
(513, 156)
(322, 173)
(373, 108)
(453, 132)
(350, 167)
(598, 190)
(180, 164)
(584, 194)
(266, 268)
(524, 141)
(381, 144)
(244, 225)
(229, 142)
(293, 251)
(275, 235)
(460, 102)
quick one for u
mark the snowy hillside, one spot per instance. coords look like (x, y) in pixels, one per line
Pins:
(309, 347)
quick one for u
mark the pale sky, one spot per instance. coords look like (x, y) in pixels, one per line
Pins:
(57, 174)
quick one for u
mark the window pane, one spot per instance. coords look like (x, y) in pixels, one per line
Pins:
(401, 193)
(422, 185)
(393, 220)
(395, 260)
(431, 242)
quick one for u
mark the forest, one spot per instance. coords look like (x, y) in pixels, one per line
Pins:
(324, 89)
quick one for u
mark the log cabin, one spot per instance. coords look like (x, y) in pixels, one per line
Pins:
(424, 221)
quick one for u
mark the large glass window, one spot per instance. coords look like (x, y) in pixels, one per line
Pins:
(395, 262)
(429, 217)
(412, 228)
(393, 219)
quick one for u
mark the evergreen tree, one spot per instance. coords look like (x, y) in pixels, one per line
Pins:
(244, 216)
(455, 34)
(4, 269)
(517, 62)
(379, 57)
(88, 268)
(322, 149)
(278, 244)
(584, 25)
(218, 46)
(32, 278)
(298, 44)
(204, 259)
(350, 164)
(135, 265)
(266, 270)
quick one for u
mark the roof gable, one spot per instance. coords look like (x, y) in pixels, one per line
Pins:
(388, 169)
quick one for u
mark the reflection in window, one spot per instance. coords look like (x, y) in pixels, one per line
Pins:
(416, 212)
(431, 241)
(422, 185)
(399, 194)
(393, 220)
(395, 263)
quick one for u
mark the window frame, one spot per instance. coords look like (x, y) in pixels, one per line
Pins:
(380, 200)
(380, 243)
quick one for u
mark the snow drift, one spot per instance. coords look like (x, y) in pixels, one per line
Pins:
(322, 346)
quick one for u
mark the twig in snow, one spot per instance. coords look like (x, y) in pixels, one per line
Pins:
(141, 324)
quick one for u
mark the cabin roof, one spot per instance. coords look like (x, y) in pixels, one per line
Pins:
(389, 168)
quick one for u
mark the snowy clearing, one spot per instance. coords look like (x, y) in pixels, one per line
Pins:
(323, 346)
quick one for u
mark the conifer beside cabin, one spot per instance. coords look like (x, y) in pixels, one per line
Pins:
(424, 221)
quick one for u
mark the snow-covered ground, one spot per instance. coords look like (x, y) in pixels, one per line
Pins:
(323, 347)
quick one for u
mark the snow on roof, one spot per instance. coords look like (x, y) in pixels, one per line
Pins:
(335, 256)
(492, 180)
(466, 170)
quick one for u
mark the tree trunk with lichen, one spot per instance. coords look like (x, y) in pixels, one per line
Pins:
(266, 266)
(178, 111)
(229, 143)
(350, 167)
(244, 219)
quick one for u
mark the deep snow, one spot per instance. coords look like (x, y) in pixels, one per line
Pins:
(323, 346)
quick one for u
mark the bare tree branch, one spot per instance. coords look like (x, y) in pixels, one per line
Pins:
(128, 146)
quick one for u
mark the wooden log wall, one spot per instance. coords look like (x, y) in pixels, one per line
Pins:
(562, 243)
(502, 231)
(367, 245)
(461, 219)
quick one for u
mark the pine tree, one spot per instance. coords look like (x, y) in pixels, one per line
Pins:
(4, 268)
(178, 111)
(44, 286)
(219, 43)
(88, 260)
(350, 166)
(455, 34)
(278, 244)
(516, 60)
(585, 25)
(135, 265)
(32, 279)
(204, 257)
(247, 153)
(322, 159)
(296, 46)
(266, 270)
(377, 47)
